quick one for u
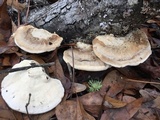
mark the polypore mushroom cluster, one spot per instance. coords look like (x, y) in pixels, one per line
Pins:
(33, 40)
(32, 86)
(108, 50)
(84, 58)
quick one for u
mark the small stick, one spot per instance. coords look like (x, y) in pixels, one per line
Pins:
(27, 106)
(141, 81)
(73, 70)
(69, 69)
(25, 68)
(27, 13)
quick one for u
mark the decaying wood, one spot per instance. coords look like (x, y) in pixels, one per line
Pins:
(87, 18)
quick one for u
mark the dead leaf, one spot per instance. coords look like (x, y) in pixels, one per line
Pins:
(16, 5)
(146, 112)
(129, 72)
(6, 61)
(72, 110)
(156, 103)
(10, 59)
(130, 92)
(92, 102)
(1, 2)
(125, 113)
(59, 74)
(114, 83)
(5, 48)
(146, 95)
(44, 116)
(8, 114)
(128, 99)
(77, 87)
(5, 22)
(114, 102)
(14, 27)
(37, 58)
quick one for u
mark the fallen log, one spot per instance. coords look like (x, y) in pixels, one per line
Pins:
(86, 19)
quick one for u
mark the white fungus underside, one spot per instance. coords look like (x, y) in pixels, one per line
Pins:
(45, 94)
(84, 60)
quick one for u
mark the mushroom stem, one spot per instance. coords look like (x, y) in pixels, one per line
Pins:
(26, 67)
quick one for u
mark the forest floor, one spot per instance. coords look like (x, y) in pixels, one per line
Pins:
(129, 93)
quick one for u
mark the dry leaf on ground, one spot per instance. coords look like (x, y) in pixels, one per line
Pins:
(125, 113)
(114, 103)
(72, 110)
(146, 112)
(115, 82)
(15, 4)
(92, 103)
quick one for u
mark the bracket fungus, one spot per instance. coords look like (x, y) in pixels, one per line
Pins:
(34, 40)
(132, 49)
(84, 58)
(32, 86)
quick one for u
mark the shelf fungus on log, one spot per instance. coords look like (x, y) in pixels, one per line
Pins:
(33, 87)
(130, 50)
(84, 58)
(34, 40)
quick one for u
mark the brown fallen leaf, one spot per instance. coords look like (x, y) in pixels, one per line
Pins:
(129, 92)
(113, 82)
(128, 99)
(114, 102)
(36, 58)
(59, 73)
(146, 95)
(16, 5)
(77, 87)
(6, 61)
(92, 102)
(125, 113)
(44, 116)
(10, 59)
(146, 112)
(72, 110)
(5, 22)
(156, 103)
(1, 2)
(8, 114)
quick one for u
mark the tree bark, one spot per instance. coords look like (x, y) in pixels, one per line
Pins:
(86, 19)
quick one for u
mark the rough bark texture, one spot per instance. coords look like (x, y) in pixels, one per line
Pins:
(87, 18)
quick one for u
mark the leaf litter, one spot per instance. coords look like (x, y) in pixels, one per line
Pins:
(128, 93)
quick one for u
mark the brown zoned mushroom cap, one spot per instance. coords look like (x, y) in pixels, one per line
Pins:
(46, 92)
(84, 58)
(33, 40)
(132, 49)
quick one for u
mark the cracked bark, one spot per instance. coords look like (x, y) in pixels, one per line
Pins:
(85, 19)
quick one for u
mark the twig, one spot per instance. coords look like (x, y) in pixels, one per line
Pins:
(69, 69)
(27, 106)
(141, 81)
(27, 13)
(73, 70)
(26, 67)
